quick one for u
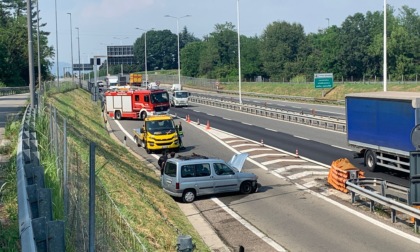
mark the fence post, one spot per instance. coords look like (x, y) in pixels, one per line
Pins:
(65, 172)
(92, 197)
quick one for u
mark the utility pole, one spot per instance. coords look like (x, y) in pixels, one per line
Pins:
(30, 53)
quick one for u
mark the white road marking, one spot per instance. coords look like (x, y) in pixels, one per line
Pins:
(268, 155)
(297, 160)
(304, 138)
(227, 118)
(236, 140)
(246, 123)
(307, 173)
(291, 167)
(255, 149)
(339, 147)
(310, 184)
(242, 145)
(271, 129)
(210, 114)
(248, 225)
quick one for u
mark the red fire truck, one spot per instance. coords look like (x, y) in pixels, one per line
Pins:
(136, 103)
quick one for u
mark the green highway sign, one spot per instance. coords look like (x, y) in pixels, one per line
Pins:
(323, 80)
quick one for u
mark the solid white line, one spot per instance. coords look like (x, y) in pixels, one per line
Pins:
(227, 118)
(304, 138)
(248, 225)
(246, 123)
(268, 154)
(271, 129)
(307, 173)
(124, 131)
(339, 147)
(210, 114)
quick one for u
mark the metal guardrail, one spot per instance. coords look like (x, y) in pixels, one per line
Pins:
(312, 120)
(38, 232)
(355, 186)
(13, 90)
(285, 97)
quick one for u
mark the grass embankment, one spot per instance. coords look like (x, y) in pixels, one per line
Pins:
(134, 187)
(308, 90)
(9, 226)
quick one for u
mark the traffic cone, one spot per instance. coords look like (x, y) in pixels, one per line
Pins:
(262, 142)
(208, 125)
(297, 153)
(188, 118)
(198, 121)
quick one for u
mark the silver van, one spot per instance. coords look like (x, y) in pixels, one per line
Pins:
(190, 176)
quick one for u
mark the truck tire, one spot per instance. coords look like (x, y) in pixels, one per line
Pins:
(370, 161)
(118, 115)
(143, 115)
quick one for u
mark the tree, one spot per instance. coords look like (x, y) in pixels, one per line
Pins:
(280, 43)
(161, 50)
(190, 58)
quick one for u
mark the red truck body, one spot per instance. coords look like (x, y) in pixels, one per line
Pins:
(136, 104)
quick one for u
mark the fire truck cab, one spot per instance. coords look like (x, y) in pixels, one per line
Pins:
(136, 104)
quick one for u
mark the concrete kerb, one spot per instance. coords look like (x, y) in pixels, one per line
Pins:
(201, 225)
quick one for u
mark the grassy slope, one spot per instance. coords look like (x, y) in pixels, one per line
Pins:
(308, 90)
(134, 187)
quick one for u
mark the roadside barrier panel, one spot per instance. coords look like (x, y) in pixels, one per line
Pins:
(341, 170)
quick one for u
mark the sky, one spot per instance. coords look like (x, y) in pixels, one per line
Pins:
(114, 22)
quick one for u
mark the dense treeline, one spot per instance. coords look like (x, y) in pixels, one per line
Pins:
(283, 52)
(353, 51)
(14, 65)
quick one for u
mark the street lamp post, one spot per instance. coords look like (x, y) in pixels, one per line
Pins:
(239, 53)
(78, 48)
(177, 32)
(39, 53)
(145, 54)
(56, 45)
(328, 22)
(71, 44)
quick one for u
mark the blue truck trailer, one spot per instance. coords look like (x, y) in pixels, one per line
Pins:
(379, 126)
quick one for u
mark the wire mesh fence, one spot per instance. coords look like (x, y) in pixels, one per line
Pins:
(70, 178)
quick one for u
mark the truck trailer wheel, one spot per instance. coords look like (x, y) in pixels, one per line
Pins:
(118, 115)
(370, 160)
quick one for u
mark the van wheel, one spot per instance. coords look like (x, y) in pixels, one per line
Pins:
(118, 115)
(143, 144)
(246, 187)
(370, 161)
(188, 196)
(143, 116)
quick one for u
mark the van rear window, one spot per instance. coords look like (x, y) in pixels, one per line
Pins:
(170, 169)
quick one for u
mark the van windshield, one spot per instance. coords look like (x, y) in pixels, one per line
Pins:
(161, 127)
(160, 97)
(181, 94)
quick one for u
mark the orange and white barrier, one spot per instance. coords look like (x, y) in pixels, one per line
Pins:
(340, 172)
